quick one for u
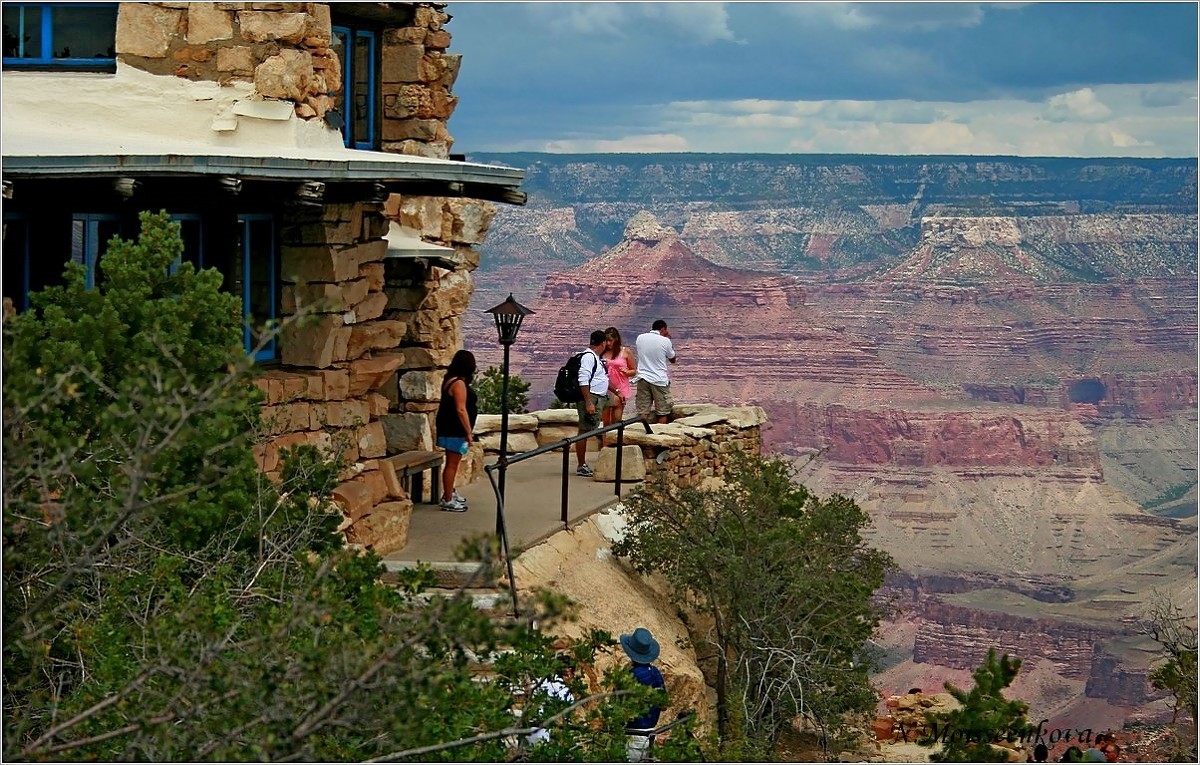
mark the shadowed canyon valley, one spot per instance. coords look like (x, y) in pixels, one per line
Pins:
(995, 356)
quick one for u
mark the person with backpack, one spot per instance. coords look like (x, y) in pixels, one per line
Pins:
(593, 396)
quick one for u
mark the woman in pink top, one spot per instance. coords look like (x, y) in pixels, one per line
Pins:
(621, 368)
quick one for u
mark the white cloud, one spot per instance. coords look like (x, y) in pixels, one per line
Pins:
(698, 22)
(660, 142)
(1080, 104)
(894, 15)
(1107, 120)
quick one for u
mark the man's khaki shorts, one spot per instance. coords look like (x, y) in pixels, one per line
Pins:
(590, 421)
(654, 398)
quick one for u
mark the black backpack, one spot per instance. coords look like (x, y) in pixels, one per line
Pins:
(566, 385)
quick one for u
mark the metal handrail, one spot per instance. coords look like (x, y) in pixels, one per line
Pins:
(503, 461)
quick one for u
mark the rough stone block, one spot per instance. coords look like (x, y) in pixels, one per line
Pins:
(288, 75)
(206, 23)
(239, 60)
(315, 297)
(633, 467)
(548, 434)
(556, 416)
(375, 336)
(372, 273)
(313, 341)
(471, 219)
(487, 423)
(408, 431)
(421, 385)
(402, 63)
(439, 39)
(262, 26)
(378, 405)
(453, 63)
(369, 374)
(384, 529)
(340, 414)
(318, 264)
(371, 252)
(414, 129)
(354, 497)
(370, 307)
(371, 440)
(146, 30)
(319, 23)
(517, 442)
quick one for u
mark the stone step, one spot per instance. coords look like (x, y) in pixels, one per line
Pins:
(449, 574)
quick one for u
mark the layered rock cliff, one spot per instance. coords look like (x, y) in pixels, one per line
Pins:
(996, 358)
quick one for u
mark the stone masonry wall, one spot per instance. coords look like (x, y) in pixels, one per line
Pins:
(693, 447)
(366, 339)
(285, 50)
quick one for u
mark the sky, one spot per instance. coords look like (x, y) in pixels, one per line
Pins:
(1026, 79)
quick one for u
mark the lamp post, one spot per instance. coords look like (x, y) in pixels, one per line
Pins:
(508, 316)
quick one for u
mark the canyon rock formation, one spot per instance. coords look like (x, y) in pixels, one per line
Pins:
(996, 357)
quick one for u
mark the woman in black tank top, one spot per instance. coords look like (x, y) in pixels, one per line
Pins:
(454, 422)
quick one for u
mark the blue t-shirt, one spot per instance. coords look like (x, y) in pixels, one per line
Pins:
(648, 675)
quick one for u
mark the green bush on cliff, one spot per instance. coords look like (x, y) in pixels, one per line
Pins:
(985, 716)
(165, 602)
(489, 388)
(778, 584)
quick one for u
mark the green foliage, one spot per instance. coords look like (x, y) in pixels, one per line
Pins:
(1175, 632)
(489, 387)
(984, 716)
(163, 601)
(786, 582)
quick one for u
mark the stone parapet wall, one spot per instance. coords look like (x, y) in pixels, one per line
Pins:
(693, 447)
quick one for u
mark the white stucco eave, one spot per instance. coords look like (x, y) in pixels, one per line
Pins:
(133, 123)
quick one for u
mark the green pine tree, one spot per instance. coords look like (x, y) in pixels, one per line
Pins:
(986, 716)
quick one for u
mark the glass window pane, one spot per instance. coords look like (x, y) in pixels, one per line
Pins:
(84, 31)
(23, 31)
(362, 90)
(339, 98)
(260, 290)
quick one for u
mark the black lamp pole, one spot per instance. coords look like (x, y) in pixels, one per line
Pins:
(508, 316)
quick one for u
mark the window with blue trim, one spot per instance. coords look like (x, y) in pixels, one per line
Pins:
(90, 234)
(358, 100)
(258, 282)
(54, 35)
(191, 231)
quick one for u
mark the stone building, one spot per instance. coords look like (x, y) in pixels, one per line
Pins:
(304, 151)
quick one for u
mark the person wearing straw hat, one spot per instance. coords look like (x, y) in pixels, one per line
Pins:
(642, 649)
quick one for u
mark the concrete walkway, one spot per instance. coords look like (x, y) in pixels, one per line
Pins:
(533, 509)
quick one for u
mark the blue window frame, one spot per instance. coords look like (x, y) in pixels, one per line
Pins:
(359, 99)
(41, 35)
(259, 283)
(89, 235)
(191, 230)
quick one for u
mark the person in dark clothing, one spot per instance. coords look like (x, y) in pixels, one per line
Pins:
(642, 649)
(1040, 753)
(455, 422)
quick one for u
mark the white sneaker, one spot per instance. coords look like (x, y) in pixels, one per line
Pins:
(453, 505)
(458, 498)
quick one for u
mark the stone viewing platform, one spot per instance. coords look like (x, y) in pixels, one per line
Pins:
(693, 448)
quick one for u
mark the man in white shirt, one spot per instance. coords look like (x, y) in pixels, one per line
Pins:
(654, 351)
(593, 386)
